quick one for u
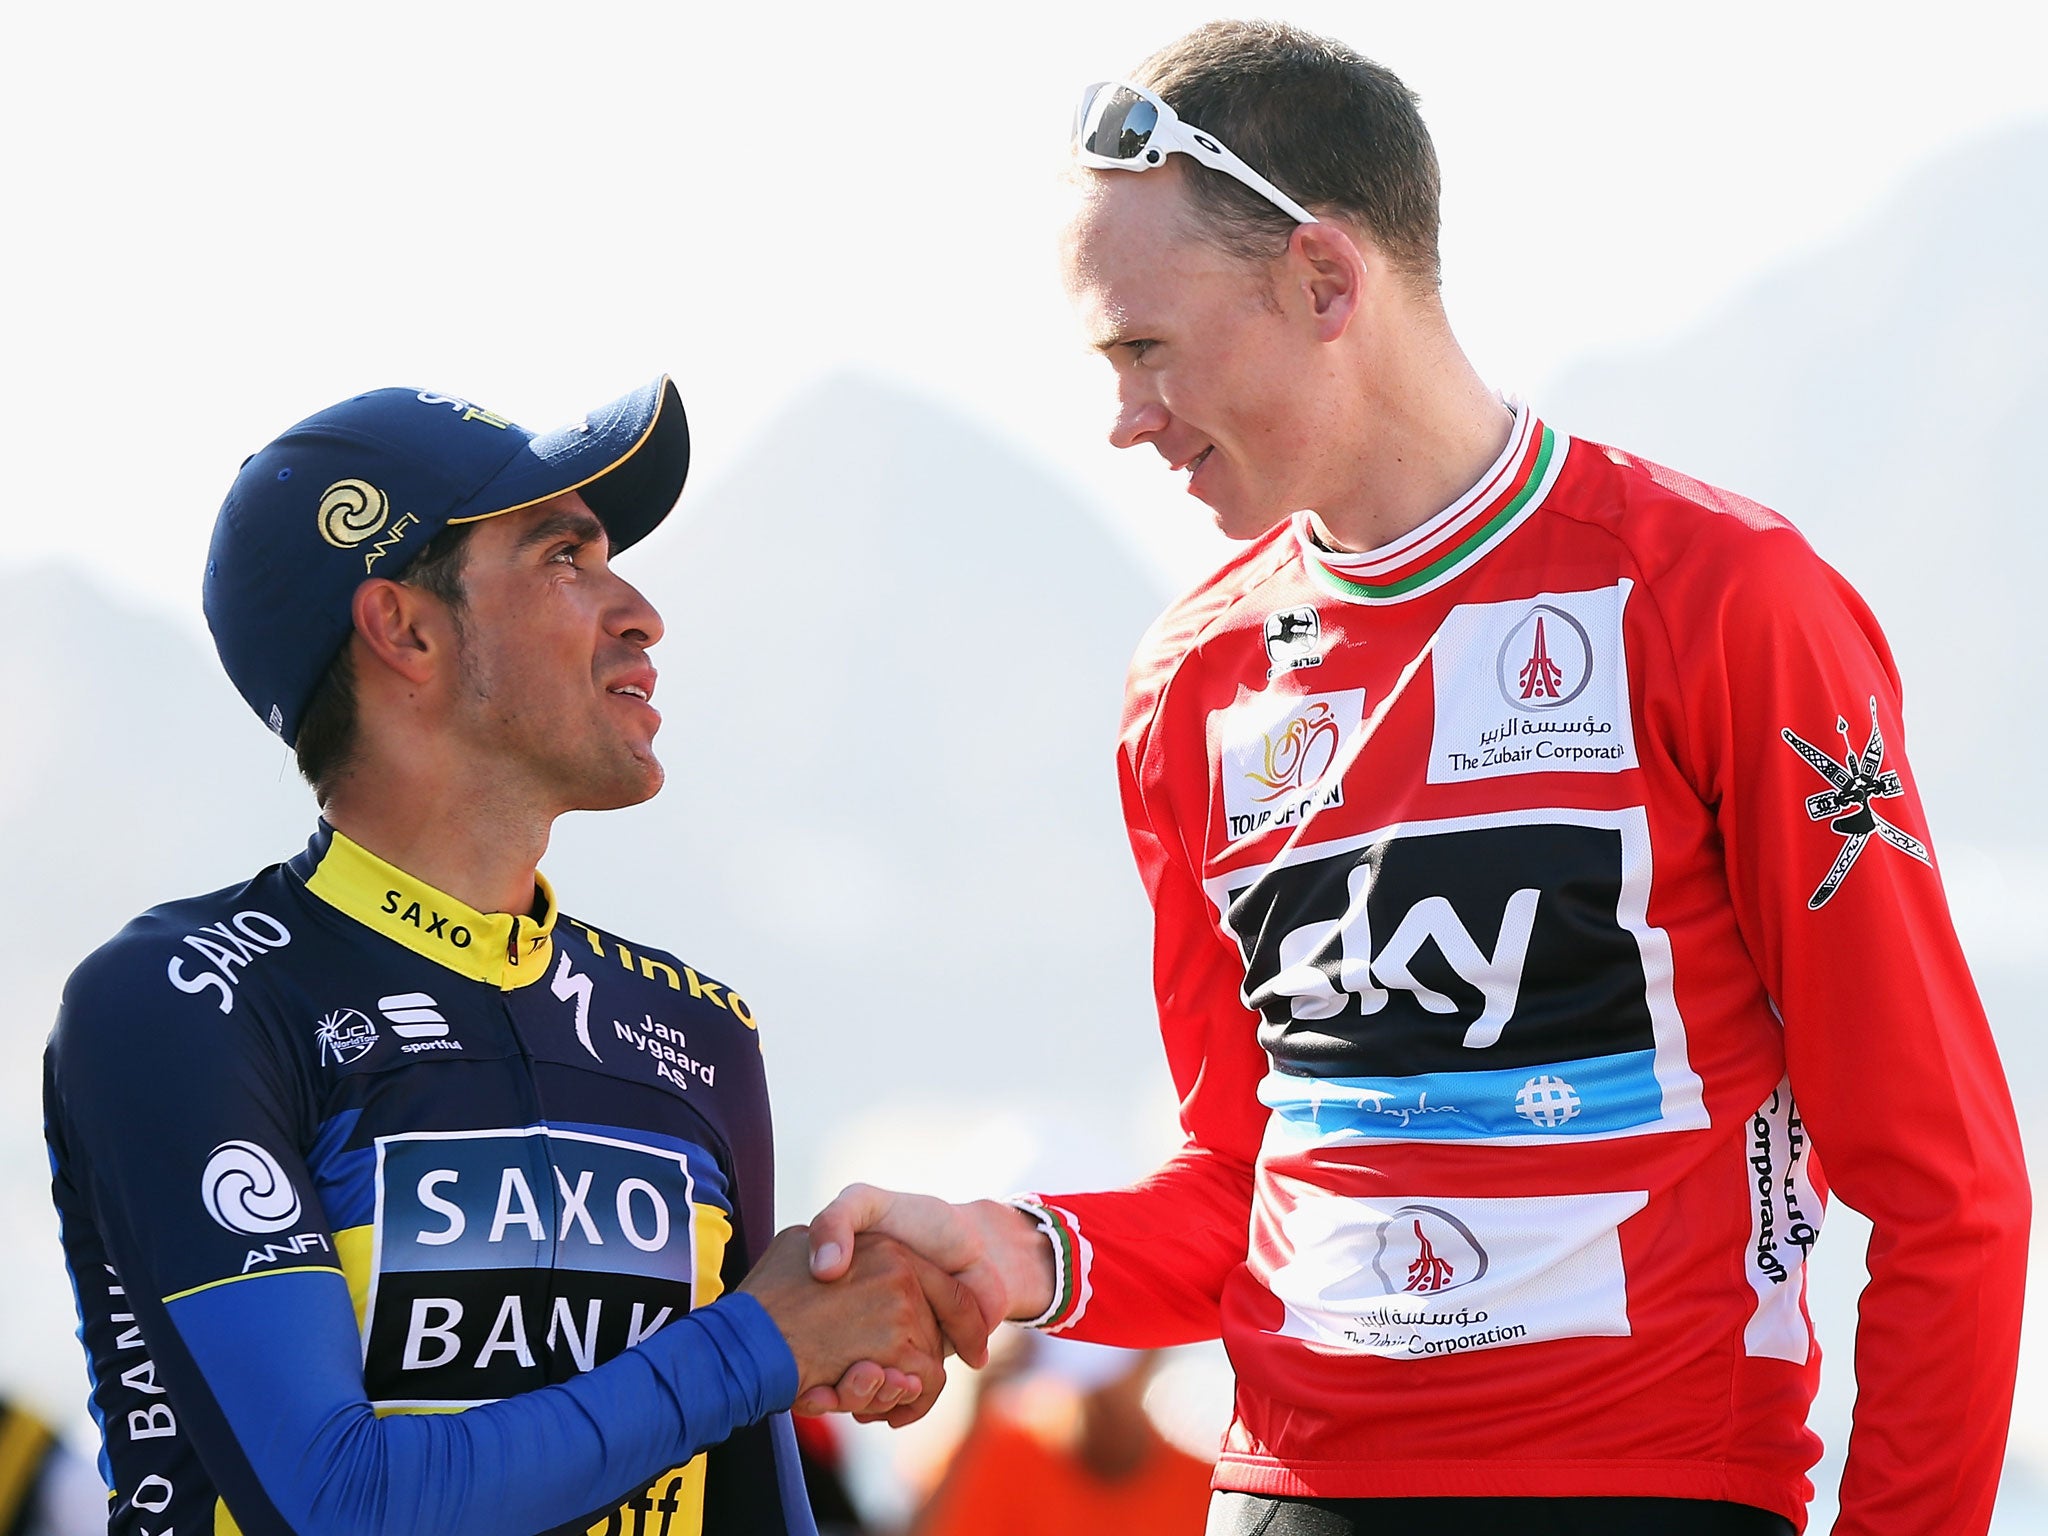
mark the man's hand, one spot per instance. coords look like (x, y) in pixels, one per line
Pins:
(872, 1342)
(993, 1251)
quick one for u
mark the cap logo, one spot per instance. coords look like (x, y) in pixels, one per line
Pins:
(352, 511)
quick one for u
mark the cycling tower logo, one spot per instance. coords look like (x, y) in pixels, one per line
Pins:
(1280, 756)
(1546, 660)
(345, 1036)
(1294, 638)
(246, 1191)
(1424, 1249)
(1854, 782)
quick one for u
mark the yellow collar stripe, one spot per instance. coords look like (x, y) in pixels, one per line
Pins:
(492, 947)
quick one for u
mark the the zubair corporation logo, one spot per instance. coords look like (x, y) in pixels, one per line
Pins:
(1424, 1249)
(1546, 660)
(1281, 757)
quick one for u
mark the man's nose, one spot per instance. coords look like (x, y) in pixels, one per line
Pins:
(1137, 418)
(634, 618)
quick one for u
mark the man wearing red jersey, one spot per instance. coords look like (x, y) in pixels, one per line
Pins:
(1542, 899)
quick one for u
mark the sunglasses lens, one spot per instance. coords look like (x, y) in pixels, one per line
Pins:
(1117, 124)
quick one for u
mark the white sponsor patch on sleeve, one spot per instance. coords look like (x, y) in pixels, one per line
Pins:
(1281, 757)
(1420, 1276)
(1538, 685)
(1785, 1213)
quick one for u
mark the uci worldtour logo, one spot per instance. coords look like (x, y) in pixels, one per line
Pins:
(245, 1189)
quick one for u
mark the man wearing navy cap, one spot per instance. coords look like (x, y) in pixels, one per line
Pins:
(396, 1199)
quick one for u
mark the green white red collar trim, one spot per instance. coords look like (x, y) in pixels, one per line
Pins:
(1424, 558)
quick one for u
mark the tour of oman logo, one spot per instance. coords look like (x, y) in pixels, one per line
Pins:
(1546, 660)
(1299, 754)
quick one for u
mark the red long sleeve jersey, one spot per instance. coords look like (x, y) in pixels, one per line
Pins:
(1538, 899)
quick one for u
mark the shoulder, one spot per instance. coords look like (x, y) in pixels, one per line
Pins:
(1691, 540)
(633, 964)
(1209, 607)
(194, 952)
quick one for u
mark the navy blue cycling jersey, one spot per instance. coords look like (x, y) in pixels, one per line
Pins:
(387, 1215)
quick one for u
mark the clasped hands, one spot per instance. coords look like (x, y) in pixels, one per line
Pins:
(881, 1286)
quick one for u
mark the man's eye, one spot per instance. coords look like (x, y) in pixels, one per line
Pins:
(1137, 349)
(565, 556)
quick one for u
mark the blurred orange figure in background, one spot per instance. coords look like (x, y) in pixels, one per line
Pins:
(1068, 1448)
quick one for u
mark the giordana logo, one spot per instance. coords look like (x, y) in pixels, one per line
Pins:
(1281, 756)
(1424, 1249)
(245, 1190)
(1546, 660)
(345, 1036)
(1294, 638)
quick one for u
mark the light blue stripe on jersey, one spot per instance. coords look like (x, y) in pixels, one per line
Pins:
(1597, 1096)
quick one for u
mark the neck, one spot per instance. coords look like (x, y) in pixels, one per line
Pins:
(457, 836)
(1424, 428)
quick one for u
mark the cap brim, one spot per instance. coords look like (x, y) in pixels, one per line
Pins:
(628, 459)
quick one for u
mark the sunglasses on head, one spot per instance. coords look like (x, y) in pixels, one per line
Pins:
(1124, 127)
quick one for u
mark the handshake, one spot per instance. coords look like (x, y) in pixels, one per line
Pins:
(880, 1287)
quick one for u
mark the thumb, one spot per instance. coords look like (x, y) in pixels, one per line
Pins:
(855, 1209)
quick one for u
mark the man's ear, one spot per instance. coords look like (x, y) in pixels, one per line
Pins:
(407, 629)
(1332, 270)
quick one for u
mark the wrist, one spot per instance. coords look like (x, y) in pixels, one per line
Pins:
(1055, 1264)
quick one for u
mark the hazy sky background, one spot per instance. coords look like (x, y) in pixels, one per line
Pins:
(227, 216)
(224, 217)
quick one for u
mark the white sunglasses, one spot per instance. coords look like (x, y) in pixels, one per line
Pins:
(1124, 127)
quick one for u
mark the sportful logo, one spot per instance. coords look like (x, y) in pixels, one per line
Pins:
(1855, 781)
(245, 1189)
(413, 1016)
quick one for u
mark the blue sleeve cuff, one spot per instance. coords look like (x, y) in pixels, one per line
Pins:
(754, 1346)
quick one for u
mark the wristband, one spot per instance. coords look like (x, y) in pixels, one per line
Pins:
(1069, 1255)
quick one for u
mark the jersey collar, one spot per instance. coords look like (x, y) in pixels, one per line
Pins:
(1424, 558)
(494, 947)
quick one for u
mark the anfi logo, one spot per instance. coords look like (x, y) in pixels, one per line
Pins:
(1546, 660)
(352, 511)
(1425, 1249)
(245, 1190)
(345, 1036)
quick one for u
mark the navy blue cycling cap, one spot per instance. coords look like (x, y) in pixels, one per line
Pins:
(358, 490)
